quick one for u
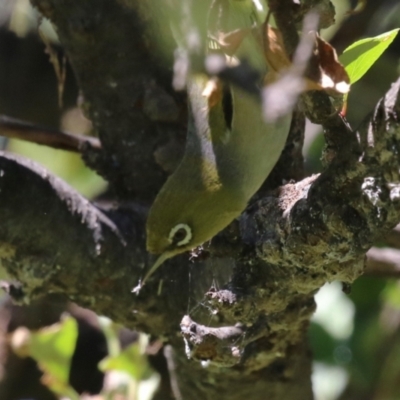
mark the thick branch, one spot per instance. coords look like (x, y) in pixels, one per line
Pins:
(55, 241)
(308, 233)
(314, 231)
(338, 215)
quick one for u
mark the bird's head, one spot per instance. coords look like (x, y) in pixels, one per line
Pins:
(187, 213)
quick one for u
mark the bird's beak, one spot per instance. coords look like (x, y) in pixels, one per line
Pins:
(160, 260)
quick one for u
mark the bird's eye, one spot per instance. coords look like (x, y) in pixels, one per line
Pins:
(180, 235)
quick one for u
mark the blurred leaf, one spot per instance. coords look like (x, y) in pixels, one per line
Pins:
(110, 330)
(23, 18)
(335, 311)
(52, 347)
(322, 344)
(131, 360)
(328, 381)
(388, 380)
(68, 166)
(365, 342)
(128, 372)
(366, 293)
(391, 294)
(361, 55)
(368, 335)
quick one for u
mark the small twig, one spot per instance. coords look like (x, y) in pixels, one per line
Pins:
(14, 128)
(341, 141)
(383, 262)
(280, 97)
(360, 6)
(218, 345)
(283, 12)
(60, 69)
(169, 357)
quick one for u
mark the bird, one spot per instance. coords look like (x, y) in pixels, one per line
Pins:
(220, 171)
(224, 164)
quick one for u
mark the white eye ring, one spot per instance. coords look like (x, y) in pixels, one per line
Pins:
(177, 228)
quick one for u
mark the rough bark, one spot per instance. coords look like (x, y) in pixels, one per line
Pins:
(250, 294)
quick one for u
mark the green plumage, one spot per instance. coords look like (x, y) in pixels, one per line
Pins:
(222, 168)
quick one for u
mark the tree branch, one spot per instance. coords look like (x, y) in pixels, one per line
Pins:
(14, 128)
(312, 232)
(55, 241)
(383, 263)
(128, 97)
(318, 239)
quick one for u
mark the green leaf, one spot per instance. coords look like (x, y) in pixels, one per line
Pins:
(360, 56)
(391, 295)
(111, 331)
(131, 360)
(322, 343)
(64, 164)
(132, 376)
(52, 347)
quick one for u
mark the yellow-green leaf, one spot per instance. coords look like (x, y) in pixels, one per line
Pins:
(52, 347)
(361, 55)
(131, 360)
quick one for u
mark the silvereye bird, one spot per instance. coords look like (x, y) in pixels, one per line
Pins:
(223, 165)
(221, 170)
